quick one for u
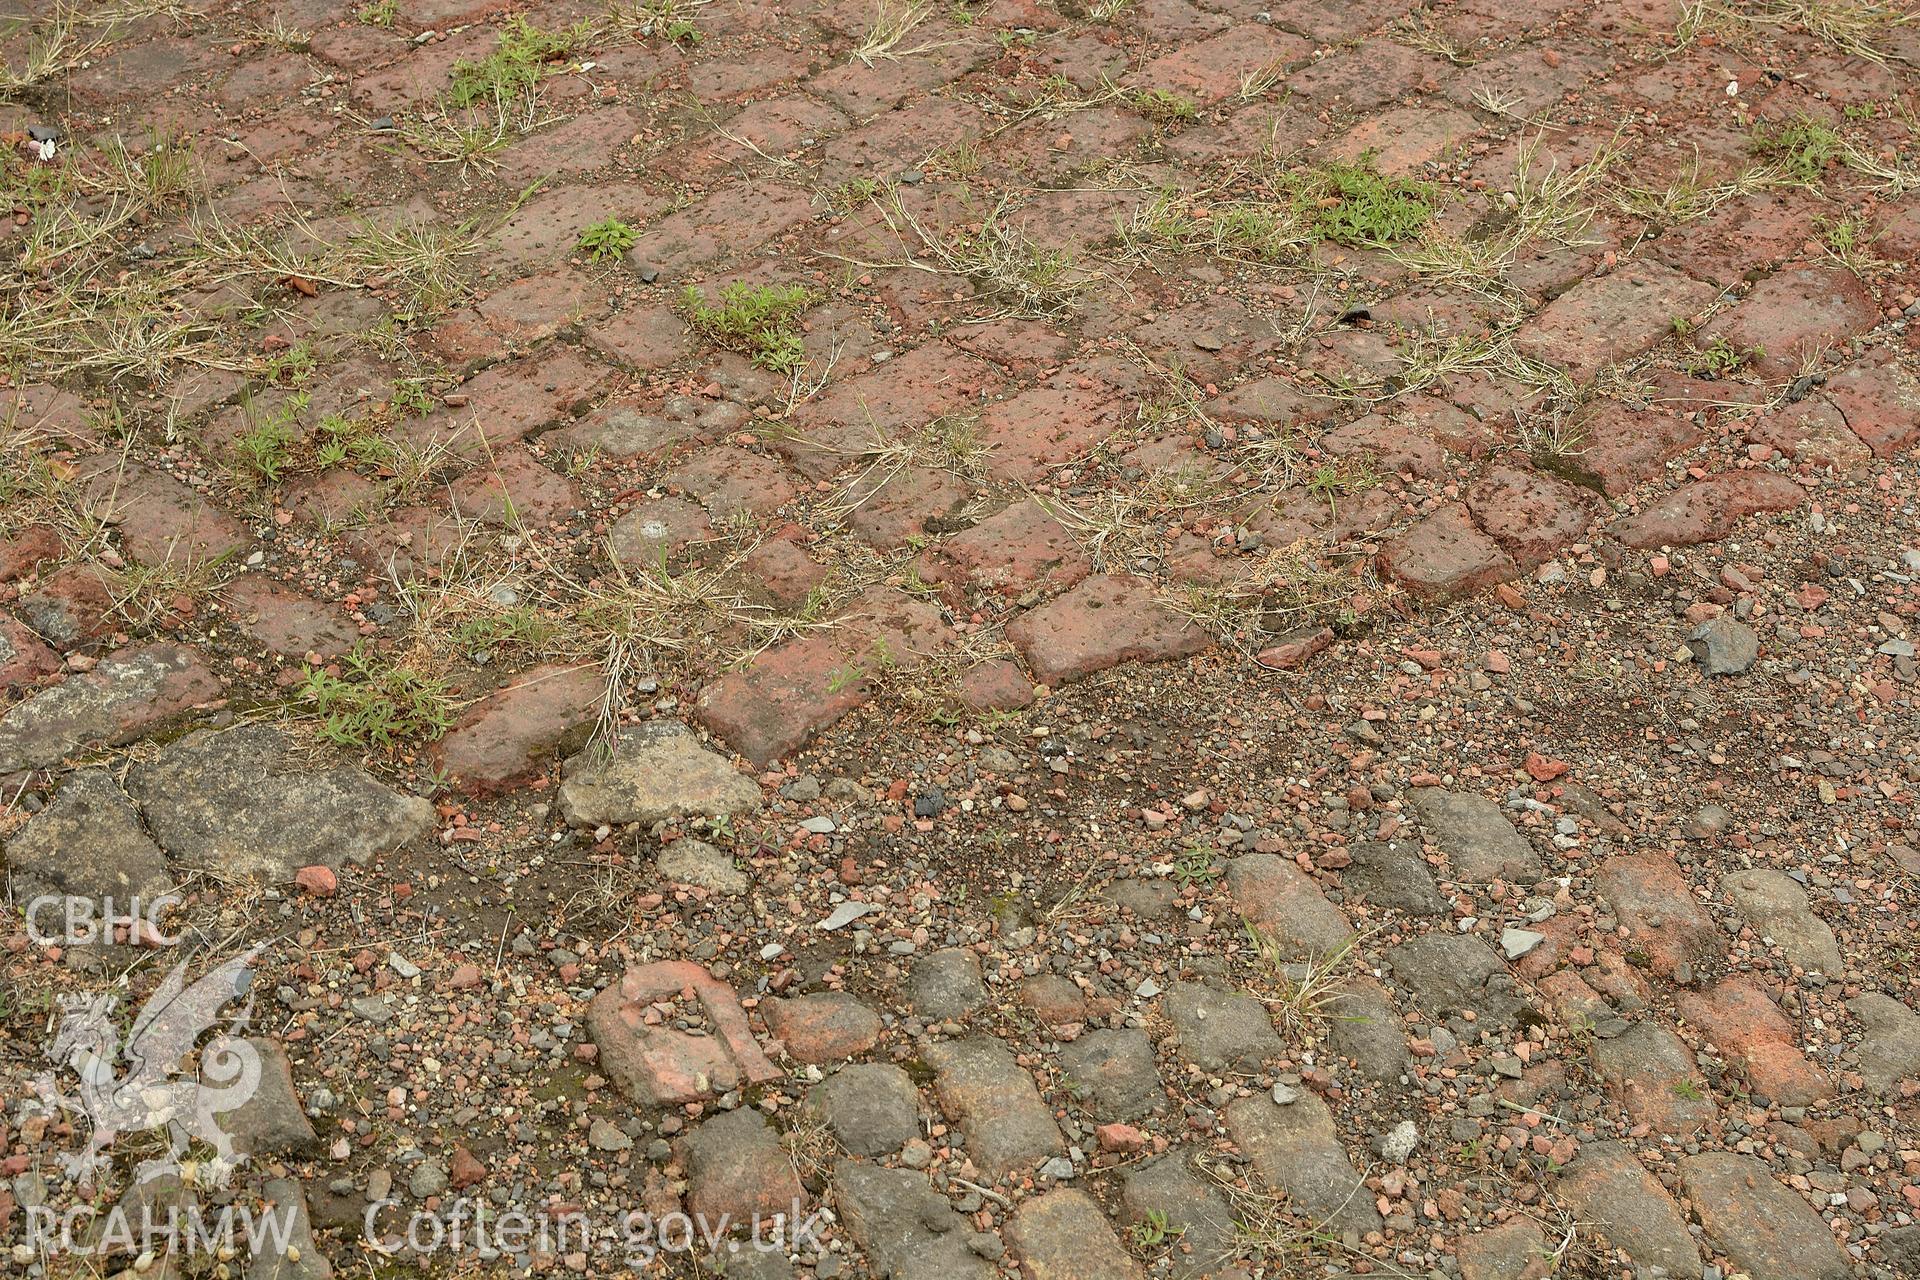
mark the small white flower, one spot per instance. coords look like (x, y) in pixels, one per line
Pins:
(1733, 88)
(45, 149)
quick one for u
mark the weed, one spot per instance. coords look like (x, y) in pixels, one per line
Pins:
(957, 160)
(379, 13)
(1498, 102)
(339, 440)
(759, 320)
(265, 448)
(1859, 28)
(1413, 35)
(294, 366)
(145, 594)
(1257, 82)
(467, 137)
(1302, 995)
(413, 397)
(1690, 197)
(1027, 278)
(610, 238)
(1357, 206)
(1803, 146)
(374, 703)
(57, 43)
(810, 1143)
(1339, 476)
(1255, 230)
(516, 628)
(1194, 865)
(276, 32)
(1165, 107)
(419, 265)
(1847, 241)
(1687, 1089)
(1720, 359)
(1554, 438)
(522, 56)
(1154, 1230)
(853, 193)
(675, 21)
(893, 22)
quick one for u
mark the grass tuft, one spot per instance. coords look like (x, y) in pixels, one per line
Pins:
(1357, 206)
(609, 238)
(375, 703)
(522, 57)
(1803, 146)
(761, 321)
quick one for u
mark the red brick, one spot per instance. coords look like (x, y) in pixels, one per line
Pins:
(24, 659)
(509, 402)
(785, 572)
(792, 691)
(1755, 231)
(658, 1066)
(995, 685)
(863, 91)
(1610, 318)
(1748, 1028)
(731, 483)
(1213, 69)
(1105, 621)
(1793, 314)
(1812, 431)
(70, 606)
(1059, 420)
(645, 338)
(1295, 650)
(1707, 510)
(785, 695)
(1666, 923)
(1011, 552)
(574, 146)
(731, 221)
(1445, 555)
(1392, 447)
(548, 226)
(1624, 447)
(286, 621)
(827, 1027)
(1404, 141)
(535, 308)
(1531, 514)
(886, 403)
(159, 519)
(891, 506)
(1371, 73)
(1880, 402)
(775, 127)
(660, 531)
(514, 490)
(511, 735)
(25, 551)
(1050, 150)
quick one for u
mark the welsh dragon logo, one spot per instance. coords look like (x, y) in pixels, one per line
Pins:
(141, 1085)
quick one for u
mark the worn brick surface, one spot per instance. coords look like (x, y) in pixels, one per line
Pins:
(1423, 525)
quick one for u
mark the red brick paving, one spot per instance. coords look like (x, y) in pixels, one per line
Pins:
(596, 354)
